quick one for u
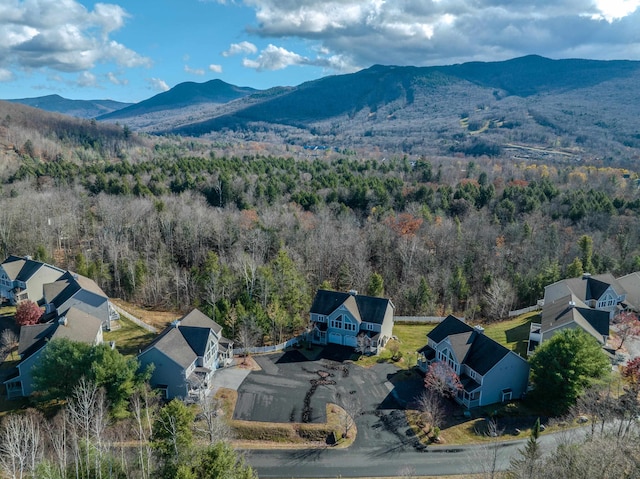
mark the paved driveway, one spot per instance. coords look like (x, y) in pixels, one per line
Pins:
(291, 388)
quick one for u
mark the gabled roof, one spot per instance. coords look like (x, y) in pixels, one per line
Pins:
(448, 326)
(585, 288)
(197, 318)
(23, 269)
(172, 344)
(366, 308)
(185, 340)
(78, 326)
(631, 284)
(569, 309)
(470, 346)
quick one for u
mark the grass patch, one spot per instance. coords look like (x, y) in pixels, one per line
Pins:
(411, 337)
(512, 333)
(129, 338)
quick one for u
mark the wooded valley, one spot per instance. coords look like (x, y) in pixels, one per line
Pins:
(248, 234)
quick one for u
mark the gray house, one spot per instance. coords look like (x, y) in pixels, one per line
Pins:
(351, 319)
(23, 278)
(588, 302)
(185, 356)
(489, 372)
(77, 291)
(75, 325)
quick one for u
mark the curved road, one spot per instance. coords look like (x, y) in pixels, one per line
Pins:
(358, 461)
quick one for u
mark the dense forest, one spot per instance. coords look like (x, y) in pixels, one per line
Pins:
(248, 238)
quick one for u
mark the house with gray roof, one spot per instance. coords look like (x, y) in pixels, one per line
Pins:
(77, 291)
(489, 372)
(75, 325)
(351, 319)
(23, 278)
(589, 302)
(631, 284)
(186, 355)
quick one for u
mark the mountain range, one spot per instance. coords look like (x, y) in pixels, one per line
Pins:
(573, 108)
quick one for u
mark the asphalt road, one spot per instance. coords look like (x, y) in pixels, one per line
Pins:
(398, 461)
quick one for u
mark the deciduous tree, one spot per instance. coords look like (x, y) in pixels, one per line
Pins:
(442, 379)
(27, 312)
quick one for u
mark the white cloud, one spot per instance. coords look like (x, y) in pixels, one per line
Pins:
(62, 35)
(5, 75)
(240, 48)
(215, 68)
(157, 84)
(611, 10)
(87, 79)
(113, 78)
(274, 58)
(419, 32)
(193, 71)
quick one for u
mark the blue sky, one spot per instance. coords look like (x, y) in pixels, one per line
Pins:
(130, 50)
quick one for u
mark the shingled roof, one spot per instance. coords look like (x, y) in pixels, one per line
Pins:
(470, 345)
(569, 309)
(369, 309)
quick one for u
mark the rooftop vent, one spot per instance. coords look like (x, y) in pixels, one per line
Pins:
(62, 320)
(479, 329)
(175, 324)
(353, 292)
(586, 275)
(572, 304)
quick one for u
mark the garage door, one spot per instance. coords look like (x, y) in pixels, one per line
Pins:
(350, 341)
(335, 338)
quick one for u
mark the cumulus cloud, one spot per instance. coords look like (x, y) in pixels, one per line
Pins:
(113, 78)
(87, 79)
(215, 68)
(62, 35)
(5, 75)
(157, 84)
(416, 32)
(240, 48)
(193, 71)
(278, 58)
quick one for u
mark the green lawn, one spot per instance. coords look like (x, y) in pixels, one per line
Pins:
(513, 333)
(130, 338)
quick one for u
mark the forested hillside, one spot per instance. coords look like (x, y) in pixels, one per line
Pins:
(250, 238)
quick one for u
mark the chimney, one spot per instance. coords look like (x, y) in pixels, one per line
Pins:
(572, 304)
(175, 324)
(479, 329)
(62, 321)
(353, 292)
(586, 275)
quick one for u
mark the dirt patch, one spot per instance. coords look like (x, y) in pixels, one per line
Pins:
(157, 319)
(246, 363)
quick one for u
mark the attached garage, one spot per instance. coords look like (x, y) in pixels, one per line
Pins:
(335, 338)
(350, 341)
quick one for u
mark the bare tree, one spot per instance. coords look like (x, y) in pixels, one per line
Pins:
(499, 297)
(143, 404)
(8, 341)
(213, 423)
(87, 412)
(351, 408)
(431, 406)
(20, 448)
(486, 458)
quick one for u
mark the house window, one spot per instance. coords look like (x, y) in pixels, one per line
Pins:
(472, 374)
(337, 323)
(349, 326)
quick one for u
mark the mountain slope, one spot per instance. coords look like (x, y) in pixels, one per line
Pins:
(378, 86)
(187, 94)
(77, 108)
